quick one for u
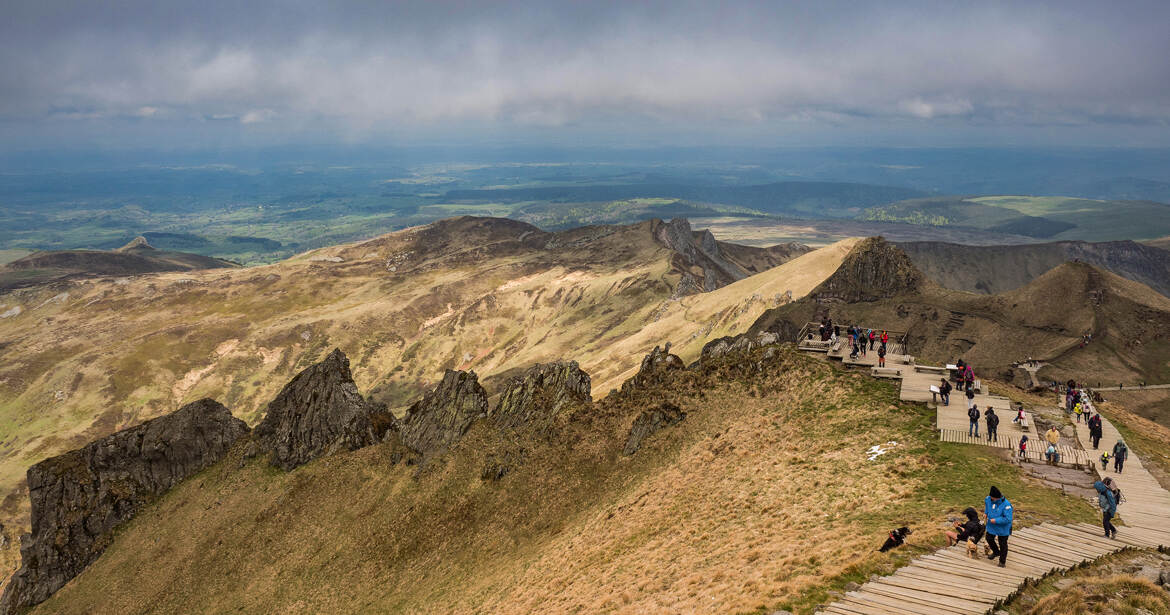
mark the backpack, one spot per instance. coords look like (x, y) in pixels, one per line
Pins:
(1116, 497)
(993, 420)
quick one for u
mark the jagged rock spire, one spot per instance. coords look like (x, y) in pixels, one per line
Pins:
(318, 412)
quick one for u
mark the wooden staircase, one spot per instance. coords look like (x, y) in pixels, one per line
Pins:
(948, 582)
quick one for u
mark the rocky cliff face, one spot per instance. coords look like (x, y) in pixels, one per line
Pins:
(444, 414)
(874, 269)
(79, 498)
(702, 263)
(540, 392)
(318, 412)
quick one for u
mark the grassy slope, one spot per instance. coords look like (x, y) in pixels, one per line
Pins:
(108, 354)
(761, 498)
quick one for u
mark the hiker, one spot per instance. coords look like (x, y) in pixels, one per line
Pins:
(1019, 416)
(969, 529)
(992, 423)
(1024, 445)
(882, 356)
(1108, 508)
(1051, 455)
(853, 352)
(1052, 435)
(999, 524)
(1105, 461)
(970, 397)
(872, 338)
(969, 376)
(944, 391)
(973, 414)
(885, 338)
(1077, 410)
(1113, 488)
(1095, 430)
(1120, 452)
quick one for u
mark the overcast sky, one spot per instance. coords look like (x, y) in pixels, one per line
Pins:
(161, 73)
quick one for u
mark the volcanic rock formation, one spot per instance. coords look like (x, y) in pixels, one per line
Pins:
(875, 269)
(318, 412)
(541, 391)
(79, 498)
(444, 414)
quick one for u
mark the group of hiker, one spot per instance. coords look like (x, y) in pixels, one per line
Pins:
(1077, 402)
(990, 418)
(862, 339)
(997, 511)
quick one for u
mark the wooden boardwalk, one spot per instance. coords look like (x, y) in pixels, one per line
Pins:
(948, 582)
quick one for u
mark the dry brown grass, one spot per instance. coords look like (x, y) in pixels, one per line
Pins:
(145, 345)
(763, 497)
(1108, 586)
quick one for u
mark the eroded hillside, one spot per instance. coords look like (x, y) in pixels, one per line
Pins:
(754, 491)
(88, 357)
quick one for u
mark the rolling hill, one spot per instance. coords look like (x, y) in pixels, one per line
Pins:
(136, 257)
(994, 269)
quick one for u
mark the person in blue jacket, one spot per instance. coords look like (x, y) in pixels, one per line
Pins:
(1108, 508)
(999, 524)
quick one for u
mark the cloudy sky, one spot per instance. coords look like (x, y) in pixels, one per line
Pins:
(780, 72)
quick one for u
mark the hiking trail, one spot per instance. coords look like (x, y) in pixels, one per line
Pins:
(948, 582)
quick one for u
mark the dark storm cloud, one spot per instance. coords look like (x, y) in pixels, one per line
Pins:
(371, 65)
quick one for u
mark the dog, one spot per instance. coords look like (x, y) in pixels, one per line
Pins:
(972, 549)
(896, 539)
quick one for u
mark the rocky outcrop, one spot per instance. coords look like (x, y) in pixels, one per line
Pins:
(654, 366)
(874, 269)
(320, 411)
(443, 415)
(79, 498)
(737, 343)
(650, 422)
(541, 391)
